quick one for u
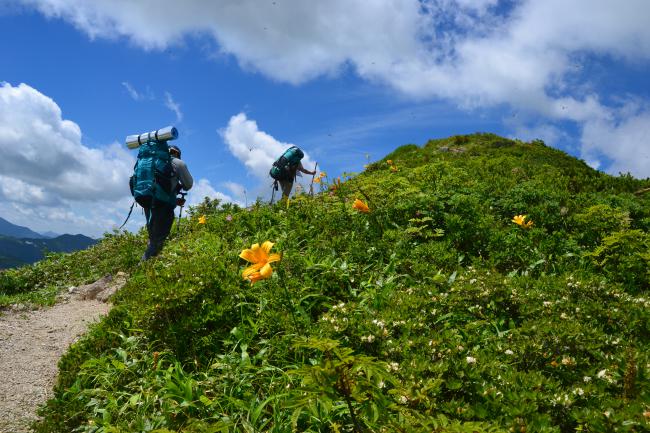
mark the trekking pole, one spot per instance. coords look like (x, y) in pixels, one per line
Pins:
(274, 187)
(311, 185)
(178, 226)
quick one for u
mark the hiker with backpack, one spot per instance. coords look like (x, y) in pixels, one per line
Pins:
(286, 167)
(159, 175)
(161, 217)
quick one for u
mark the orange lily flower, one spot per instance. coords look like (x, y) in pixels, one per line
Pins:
(360, 206)
(261, 262)
(202, 219)
(520, 220)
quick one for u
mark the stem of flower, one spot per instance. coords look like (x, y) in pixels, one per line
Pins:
(291, 308)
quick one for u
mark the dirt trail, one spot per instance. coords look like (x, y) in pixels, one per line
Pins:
(32, 342)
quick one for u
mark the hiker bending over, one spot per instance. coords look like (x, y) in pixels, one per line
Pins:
(287, 184)
(286, 167)
(160, 216)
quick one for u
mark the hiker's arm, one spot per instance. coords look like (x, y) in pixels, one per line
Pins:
(301, 168)
(183, 174)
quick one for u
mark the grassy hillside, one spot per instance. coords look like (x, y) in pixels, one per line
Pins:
(433, 311)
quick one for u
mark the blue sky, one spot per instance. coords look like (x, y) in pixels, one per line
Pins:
(345, 80)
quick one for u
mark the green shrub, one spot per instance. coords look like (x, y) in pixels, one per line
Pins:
(625, 257)
(597, 222)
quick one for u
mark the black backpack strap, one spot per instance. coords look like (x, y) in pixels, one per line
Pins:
(128, 216)
(274, 188)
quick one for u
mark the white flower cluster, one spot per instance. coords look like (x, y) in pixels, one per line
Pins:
(392, 366)
(571, 283)
(568, 361)
(562, 399)
(381, 325)
(335, 321)
(645, 302)
(605, 375)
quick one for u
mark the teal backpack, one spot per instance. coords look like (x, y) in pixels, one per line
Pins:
(291, 157)
(151, 183)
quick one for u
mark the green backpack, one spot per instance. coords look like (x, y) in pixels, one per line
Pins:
(291, 157)
(151, 183)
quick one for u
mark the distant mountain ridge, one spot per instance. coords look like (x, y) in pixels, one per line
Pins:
(21, 246)
(50, 234)
(17, 252)
(16, 231)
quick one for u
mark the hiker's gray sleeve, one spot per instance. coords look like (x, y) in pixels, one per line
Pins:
(183, 173)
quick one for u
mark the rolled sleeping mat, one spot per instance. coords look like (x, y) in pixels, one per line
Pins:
(162, 134)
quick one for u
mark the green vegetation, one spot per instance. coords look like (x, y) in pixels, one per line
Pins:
(39, 283)
(432, 312)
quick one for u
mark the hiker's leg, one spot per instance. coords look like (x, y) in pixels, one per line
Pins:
(167, 220)
(159, 226)
(148, 252)
(286, 186)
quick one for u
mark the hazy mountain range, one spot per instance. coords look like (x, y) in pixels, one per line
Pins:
(20, 246)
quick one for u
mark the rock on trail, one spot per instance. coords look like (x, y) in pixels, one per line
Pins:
(32, 342)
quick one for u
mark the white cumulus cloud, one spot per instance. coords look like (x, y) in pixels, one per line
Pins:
(202, 189)
(256, 149)
(406, 43)
(45, 156)
(626, 142)
(49, 178)
(236, 189)
(531, 56)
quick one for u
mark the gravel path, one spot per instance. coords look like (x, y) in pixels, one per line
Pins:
(32, 342)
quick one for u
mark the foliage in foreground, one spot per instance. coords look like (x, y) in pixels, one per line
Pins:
(431, 312)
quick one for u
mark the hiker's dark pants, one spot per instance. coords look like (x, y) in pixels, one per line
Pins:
(285, 186)
(160, 220)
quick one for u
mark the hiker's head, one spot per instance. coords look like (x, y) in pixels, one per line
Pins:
(175, 151)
